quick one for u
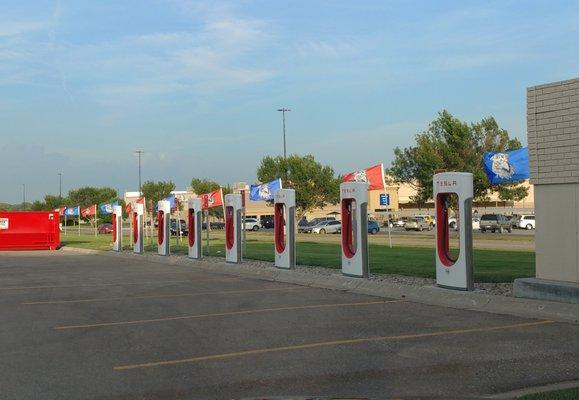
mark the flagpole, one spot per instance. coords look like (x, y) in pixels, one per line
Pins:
(95, 221)
(78, 209)
(65, 222)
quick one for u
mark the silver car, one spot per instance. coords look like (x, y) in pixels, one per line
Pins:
(417, 224)
(327, 227)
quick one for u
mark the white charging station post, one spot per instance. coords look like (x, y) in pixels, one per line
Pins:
(195, 215)
(137, 218)
(284, 225)
(163, 228)
(454, 273)
(117, 219)
(233, 209)
(354, 201)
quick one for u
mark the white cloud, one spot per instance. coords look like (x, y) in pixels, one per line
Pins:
(8, 29)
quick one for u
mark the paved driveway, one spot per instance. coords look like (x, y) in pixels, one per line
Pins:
(100, 327)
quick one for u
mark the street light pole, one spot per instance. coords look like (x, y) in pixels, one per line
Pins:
(283, 111)
(24, 196)
(60, 185)
(139, 152)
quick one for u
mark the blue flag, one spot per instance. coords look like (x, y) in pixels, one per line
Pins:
(72, 211)
(107, 208)
(265, 191)
(507, 166)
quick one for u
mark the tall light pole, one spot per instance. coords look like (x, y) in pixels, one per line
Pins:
(139, 152)
(283, 111)
(24, 196)
(60, 185)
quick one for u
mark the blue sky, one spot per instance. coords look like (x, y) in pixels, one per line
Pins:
(196, 84)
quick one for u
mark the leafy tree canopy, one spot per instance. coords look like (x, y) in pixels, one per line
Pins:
(315, 184)
(202, 186)
(155, 191)
(453, 145)
(88, 195)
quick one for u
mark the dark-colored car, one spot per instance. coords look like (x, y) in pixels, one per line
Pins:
(495, 223)
(373, 227)
(214, 225)
(267, 223)
(183, 225)
(105, 228)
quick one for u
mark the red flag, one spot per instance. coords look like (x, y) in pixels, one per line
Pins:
(128, 208)
(89, 211)
(373, 175)
(60, 210)
(213, 199)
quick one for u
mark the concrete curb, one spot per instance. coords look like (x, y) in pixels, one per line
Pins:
(430, 295)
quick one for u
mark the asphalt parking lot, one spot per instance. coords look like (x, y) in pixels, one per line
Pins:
(100, 327)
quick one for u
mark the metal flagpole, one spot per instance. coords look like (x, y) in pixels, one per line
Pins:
(65, 221)
(207, 227)
(95, 220)
(78, 209)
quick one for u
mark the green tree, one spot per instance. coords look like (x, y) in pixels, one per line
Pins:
(315, 184)
(453, 145)
(155, 191)
(88, 195)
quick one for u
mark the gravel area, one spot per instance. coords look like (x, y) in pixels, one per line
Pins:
(501, 289)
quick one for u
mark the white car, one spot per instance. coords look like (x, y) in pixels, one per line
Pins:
(526, 222)
(327, 227)
(475, 224)
(251, 224)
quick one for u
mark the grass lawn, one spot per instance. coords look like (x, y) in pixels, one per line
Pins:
(565, 394)
(490, 265)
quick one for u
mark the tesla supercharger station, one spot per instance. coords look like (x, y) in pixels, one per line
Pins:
(354, 201)
(284, 226)
(117, 219)
(195, 215)
(163, 227)
(233, 209)
(138, 216)
(450, 272)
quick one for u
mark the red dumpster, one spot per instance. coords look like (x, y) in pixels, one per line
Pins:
(29, 230)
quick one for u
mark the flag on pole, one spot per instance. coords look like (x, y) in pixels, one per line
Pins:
(507, 166)
(374, 175)
(107, 208)
(128, 208)
(60, 211)
(72, 211)
(264, 191)
(88, 211)
(213, 199)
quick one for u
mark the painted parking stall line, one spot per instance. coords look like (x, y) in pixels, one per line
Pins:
(226, 314)
(344, 342)
(164, 296)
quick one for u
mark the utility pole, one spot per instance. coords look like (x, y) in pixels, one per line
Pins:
(60, 185)
(139, 152)
(283, 111)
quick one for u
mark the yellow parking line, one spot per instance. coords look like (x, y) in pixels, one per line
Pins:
(162, 296)
(326, 344)
(224, 314)
(116, 284)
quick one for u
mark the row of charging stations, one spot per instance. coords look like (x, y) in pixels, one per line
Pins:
(450, 189)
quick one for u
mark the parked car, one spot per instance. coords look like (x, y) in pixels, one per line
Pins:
(213, 225)
(267, 222)
(417, 224)
(526, 222)
(428, 218)
(327, 227)
(399, 223)
(495, 223)
(182, 226)
(251, 224)
(373, 227)
(310, 225)
(105, 228)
